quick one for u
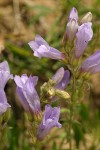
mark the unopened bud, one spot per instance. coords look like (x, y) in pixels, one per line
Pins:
(62, 94)
(71, 29)
(73, 14)
(87, 18)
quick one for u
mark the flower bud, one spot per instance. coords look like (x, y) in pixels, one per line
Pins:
(87, 18)
(62, 94)
(73, 14)
(71, 29)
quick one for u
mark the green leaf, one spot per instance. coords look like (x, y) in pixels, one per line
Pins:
(17, 50)
(84, 112)
(78, 134)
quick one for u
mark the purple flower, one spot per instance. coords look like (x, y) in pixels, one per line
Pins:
(72, 25)
(61, 78)
(42, 49)
(50, 120)
(3, 102)
(73, 14)
(71, 29)
(92, 63)
(4, 74)
(27, 93)
(4, 77)
(83, 36)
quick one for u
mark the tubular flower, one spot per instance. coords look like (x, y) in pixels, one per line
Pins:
(4, 74)
(92, 63)
(83, 36)
(42, 49)
(72, 25)
(3, 102)
(71, 29)
(27, 93)
(50, 120)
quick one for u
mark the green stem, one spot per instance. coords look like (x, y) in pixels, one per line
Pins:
(72, 98)
(3, 138)
(74, 72)
(3, 129)
(70, 127)
(71, 111)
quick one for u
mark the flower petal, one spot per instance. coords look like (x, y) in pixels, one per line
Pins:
(50, 120)
(83, 36)
(64, 82)
(3, 102)
(27, 93)
(4, 66)
(58, 75)
(92, 63)
(22, 99)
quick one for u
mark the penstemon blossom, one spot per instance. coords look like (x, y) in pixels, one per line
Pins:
(92, 63)
(3, 102)
(4, 74)
(50, 120)
(4, 77)
(27, 93)
(42, 49)
(72, 25)
(83, 36)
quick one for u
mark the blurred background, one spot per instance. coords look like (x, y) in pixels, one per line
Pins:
(20, 21)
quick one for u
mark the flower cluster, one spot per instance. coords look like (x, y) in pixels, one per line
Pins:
(26, 91)
(31, 102)
(82, 33)
(79, 34)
